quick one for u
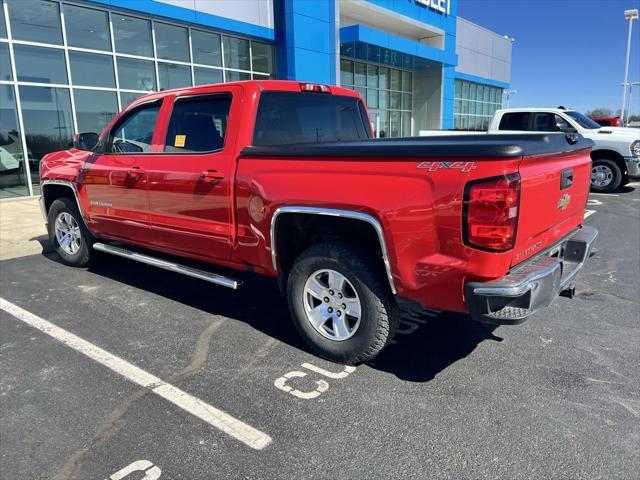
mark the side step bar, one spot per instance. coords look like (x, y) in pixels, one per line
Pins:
(166, 265)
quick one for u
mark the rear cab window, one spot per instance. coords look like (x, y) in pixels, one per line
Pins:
(518, 121)
(287, 118)
(198, 124)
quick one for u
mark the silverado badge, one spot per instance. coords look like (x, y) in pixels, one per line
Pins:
(564, 201)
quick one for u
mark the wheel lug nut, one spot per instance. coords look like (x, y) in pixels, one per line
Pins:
(331, 292)
(326, 299)
(344, 305)
(339, 295)
(330, 310)
(338, 313)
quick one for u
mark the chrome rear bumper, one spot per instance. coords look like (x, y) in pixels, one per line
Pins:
(532, 285)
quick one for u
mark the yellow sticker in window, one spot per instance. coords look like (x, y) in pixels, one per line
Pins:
(180, 141)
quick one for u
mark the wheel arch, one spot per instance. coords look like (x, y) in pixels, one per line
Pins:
(54, 189)
(314, 216)
(608, 154)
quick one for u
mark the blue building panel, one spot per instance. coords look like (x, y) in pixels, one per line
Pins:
(482, 80)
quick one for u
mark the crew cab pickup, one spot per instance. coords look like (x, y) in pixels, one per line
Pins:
(616, 150)
(284, 179)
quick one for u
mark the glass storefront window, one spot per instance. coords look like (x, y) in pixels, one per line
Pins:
(346, 72)
(100, 70)
(396, 102)
(173, 76)
(40, 64)
(396, 82)
(94, 109)
(132, 35)
(262, 57)
(233, 76)
(406, 124)
(172, 43)
(372, 76)
(360, 76)
(3, 25)
(35, 21)
(127, 97)
(236, 53)
(372, 98)
(87, 28)
(5, 62)
(13, 176)
(206, 48)
(407, 81)
(384, 78)
(206, 76)
(48, 124)
(136, 74)
(474, 105)
(92, 70)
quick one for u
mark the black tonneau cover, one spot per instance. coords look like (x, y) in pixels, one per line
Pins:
(481, 145)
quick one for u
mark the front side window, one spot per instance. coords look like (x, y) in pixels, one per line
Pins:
(198, 124)
(286, 118)
(135, 133)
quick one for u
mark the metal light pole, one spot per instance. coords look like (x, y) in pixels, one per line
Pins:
(507, 93)
(630, 85)
(630, 15)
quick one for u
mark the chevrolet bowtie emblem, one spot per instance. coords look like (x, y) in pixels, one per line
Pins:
(564, 201)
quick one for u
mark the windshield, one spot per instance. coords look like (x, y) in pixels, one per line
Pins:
(583, 120)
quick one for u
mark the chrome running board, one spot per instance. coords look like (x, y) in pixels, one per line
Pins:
(167, 265)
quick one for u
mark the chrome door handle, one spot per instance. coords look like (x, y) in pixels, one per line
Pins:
(212, 175)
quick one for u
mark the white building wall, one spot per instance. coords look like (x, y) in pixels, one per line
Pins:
(482, 52)
(257, 12)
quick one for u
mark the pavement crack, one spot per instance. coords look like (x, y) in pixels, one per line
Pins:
(114, 421)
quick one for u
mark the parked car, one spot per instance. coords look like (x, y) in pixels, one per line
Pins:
(607, 121)
(284, 179)
(615, 155)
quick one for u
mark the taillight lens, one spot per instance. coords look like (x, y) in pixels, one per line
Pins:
(490, 213)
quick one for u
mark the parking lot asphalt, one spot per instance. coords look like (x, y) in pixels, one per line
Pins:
(556, 397)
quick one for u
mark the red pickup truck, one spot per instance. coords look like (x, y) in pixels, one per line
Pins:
(284, 179)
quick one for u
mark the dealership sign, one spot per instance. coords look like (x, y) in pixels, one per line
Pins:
(442, 6)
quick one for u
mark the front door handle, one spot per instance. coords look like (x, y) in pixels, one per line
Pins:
(135, 171)
(212, 175)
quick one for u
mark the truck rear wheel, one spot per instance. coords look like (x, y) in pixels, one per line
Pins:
(341, 303)
(68, 234)
(606, 176)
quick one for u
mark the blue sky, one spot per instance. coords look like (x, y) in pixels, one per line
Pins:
(567, 52)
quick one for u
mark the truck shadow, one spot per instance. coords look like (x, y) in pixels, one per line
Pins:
(427, 343)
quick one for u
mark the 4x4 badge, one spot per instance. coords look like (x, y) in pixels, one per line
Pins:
(564, 201)
(465, 167)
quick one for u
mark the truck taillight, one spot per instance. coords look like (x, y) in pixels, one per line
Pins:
(314, 87)
(490, 213)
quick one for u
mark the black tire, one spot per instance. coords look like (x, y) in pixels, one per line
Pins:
(380, 314)
(614, 179)
(83, 256)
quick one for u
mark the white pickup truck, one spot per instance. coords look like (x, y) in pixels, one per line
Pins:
(616, 154)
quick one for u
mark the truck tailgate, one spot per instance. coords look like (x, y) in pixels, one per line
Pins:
(553, 195)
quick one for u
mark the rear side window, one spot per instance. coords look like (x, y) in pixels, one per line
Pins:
(286, 118)
(515, 121)
(198, 124)
(134, 133)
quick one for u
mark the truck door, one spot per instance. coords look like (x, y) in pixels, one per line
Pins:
(115, 178)
(190, 185)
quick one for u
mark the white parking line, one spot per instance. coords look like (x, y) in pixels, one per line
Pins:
(217, 418)
(588, 213)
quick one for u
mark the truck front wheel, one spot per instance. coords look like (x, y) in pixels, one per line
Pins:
(606, 176)
(341, 303)
(68, 234)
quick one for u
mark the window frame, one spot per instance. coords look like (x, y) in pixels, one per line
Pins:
(163, 141)
(107, 145)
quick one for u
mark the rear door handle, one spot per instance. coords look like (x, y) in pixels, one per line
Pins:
(135, 171)
(212, 175)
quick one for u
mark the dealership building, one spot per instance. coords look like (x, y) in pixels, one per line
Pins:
(70, 66)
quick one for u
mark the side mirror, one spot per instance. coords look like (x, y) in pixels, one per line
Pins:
(85, 140)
